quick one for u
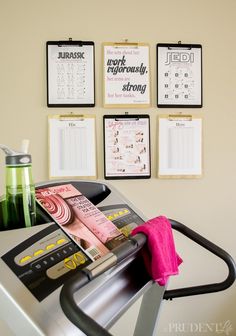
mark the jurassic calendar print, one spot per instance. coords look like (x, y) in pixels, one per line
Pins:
(70, 74)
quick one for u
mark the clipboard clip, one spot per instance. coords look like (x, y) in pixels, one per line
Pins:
(179, 46)
(71, 116)
(127, 117)
(180, 116)
(126, 43)
(70, 42)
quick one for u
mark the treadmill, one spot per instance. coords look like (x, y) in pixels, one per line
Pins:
(43, 291)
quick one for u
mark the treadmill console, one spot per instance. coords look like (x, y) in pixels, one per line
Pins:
(47, 259)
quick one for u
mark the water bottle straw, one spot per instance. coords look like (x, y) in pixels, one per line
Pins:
(25, 146)
(26, 195)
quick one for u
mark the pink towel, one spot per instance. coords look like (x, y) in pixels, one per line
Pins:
(160, 258)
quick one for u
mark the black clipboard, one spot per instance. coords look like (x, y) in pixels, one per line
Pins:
(179, 75)
(70, 73)
(127, 153)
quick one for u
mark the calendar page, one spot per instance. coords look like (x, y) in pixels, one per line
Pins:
(72, 146)
(179, 75)
(70, 73)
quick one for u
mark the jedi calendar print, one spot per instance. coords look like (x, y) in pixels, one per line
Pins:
(179, 75)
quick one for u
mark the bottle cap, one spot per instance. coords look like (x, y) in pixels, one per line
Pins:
(18, 159)
(14, 158)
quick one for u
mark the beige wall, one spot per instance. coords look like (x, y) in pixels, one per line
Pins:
(206, 205)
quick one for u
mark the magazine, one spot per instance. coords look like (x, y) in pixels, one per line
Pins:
(80, 219)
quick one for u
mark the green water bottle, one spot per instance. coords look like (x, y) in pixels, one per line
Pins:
(20, 207)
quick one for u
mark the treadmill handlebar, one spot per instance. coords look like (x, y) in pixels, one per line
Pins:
(76, 315)
(131, 247)
(208, 245)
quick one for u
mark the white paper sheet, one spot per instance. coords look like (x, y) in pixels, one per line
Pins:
(180, 146)
(72, 147)
(126, 75)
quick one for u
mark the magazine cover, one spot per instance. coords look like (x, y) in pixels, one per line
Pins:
(80, 219)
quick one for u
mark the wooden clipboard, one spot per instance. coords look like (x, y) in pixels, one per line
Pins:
(70, 73)
(126, 75)
(127, 146)
(72, 146)
(179, 146)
